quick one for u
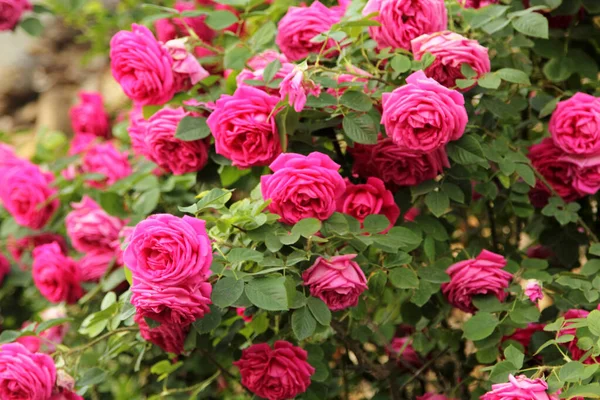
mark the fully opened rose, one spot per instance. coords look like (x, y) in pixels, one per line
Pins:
(575, 124)
(520, 388)
(55, 275)
(25, 375)
(11, 12)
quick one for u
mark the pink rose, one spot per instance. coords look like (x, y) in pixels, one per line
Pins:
(106, 160)
(576, 353)
(586, 178)
(55, 275)
(423, 116)
(25, 375)
(261, 60)
(188, 70)
(172, 28)
(89, 117)
(405, 353)
(90, 228)
(79, 144)
(28, 195)
(122, 242)
(4, 267)
(451, 51)
(165, 250)
(479, 276)
(338, 281)
(8, 158)
(137, 131)
(296, 88)
(520, 388)
(142, 66)
(18, 247)
(433, 396)
(241, 311)
(575, 124)
(394, 166)
(476, 3)
(369, 198)
(244, 127)
(64, 394)
(258, 72)
(524, 335)
(169, 337)
(303, 187)
(548, 160)
(94, 264)
(11, 12)
(300, 25)
(277, 373)
(180, 305)
(403, 20)
(174, 155)
(534, 291)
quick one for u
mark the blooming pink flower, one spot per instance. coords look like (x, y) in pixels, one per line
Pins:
(244, 127)
(188, 70)
(94, 264)
(79, 144)
(405, 352)
(172, 28)
(394, 166)
(295, 87)
(241, 311)
(575, 124)
(4, 267)
(142, 66)
(18, 247)
(169, 337)
(88, 117)
(423, 116)
(586, 178)
(300, 25)
(170, 153)
(25, 375)
(534, 291)
(106, 160)
(338, 281)
(451, 51)
(258, 64)
(55, 275)
(90, 228)
(11, 12)
(303, 187)
(476, 3)
(433, 396)
(369, 198)
(403, 20)
(277, 373)
(576, 353)
(8, 158)
(479, 276)
(520, 388)
(27, 194)
(137, 131)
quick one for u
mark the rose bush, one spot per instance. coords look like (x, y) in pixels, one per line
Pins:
(383, 199)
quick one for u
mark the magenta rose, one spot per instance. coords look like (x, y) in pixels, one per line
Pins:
(300, 25)
(296, 87)
(369, 198)
(18, 247)
(106, 160)
(27, 194)
(303, 187)
(142, 66)
(80, 143)
(256, 74)
(8, 158)
(586, 178)
(524, 335)
(4, 267)
(244, 127)
(405, 353)
(338, 281)
(451, 51)
(534, 291)
(180, 305)
(55, 275)
(166, 251)
(576, 353)
(403, 20)
(575, 124)
(549, 161)
(174, 155)
(169, 337)
(25, 375)
(172, 28)
(90, 228)
(277, 373)
(94, 264)
(137, 131)
(476, 3)
(520, 388)
(11, 12)
(64, 394)
(423, 116)
(241, 311)
(394, 166)
(479, 276)
(89, 116)
(186, 67)
(433, 396)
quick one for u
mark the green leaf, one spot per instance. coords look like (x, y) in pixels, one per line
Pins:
(44, 325)
(356, 100)
(216, 198)
(226, 291)
(220, 19)
(437, 202)
(209, 322)
(32, 25)
(192, 128)
(263, 36)
(589, 391)
(466, 151)
(360, 128)
(454, 192)
(146, 202)
(92, 376)
(515, 356)
(433, 275)
(237, 254)
(571, 371)
(404, 278)
(268, 293)
(513, 75)
(595, 249)
(319, 310)
(489, 81)
(526, 173)
(376, 223)
(303, 323)
(591, 267)
(593, 321)
(400, 63)
(467, 71)
(9, 336)
(559, 69)
(236, 57)
(307, 227)
(501, 371)
(270, 70)
(480, 326)
(533, 24)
